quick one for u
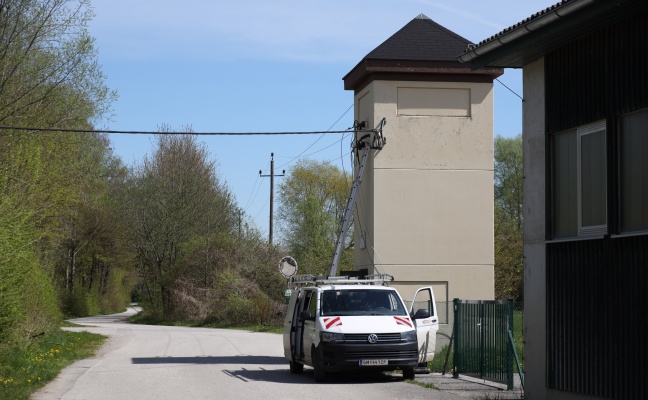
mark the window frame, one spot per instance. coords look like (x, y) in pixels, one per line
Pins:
(591, 230)
(577, 230)
(623, 229)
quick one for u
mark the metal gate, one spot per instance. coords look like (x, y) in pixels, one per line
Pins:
(481, 340)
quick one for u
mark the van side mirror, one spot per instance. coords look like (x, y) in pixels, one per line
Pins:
(421, 314)
(305, 315)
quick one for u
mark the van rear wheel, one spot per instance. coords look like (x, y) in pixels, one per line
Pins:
(320, 374)
(296, 367)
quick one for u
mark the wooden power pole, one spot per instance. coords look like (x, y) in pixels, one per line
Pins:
(272, 175)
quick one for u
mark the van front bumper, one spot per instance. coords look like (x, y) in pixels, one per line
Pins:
(337, 356)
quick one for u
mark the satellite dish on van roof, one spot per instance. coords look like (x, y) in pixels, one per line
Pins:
(288, 266)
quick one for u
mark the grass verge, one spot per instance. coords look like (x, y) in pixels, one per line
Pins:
(439, 360)
(421, 384)
(143, 319)
(23, 371)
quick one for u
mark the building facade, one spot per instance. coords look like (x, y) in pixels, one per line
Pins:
(585, 134)
(425, 210)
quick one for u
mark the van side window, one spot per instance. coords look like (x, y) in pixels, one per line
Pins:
(312, 306)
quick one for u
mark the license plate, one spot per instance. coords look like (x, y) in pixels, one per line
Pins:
(373, 362)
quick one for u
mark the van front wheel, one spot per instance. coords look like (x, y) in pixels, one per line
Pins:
(320, 374)
(408, 373)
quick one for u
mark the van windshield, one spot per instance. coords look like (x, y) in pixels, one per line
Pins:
(361, 302)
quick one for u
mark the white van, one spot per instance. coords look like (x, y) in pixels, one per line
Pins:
(341, 323)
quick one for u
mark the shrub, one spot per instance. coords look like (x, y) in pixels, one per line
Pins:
(239, 300)
(28, 305)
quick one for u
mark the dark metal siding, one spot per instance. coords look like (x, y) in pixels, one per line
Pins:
(597, 317)
(597, 290)
(599, 75)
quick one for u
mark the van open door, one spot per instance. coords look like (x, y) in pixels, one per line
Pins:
(289, 328)
(294, 329)
(424, 314)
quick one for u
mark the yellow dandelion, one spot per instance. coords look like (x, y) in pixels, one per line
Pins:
(28, 380)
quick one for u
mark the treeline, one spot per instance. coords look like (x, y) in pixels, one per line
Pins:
(54, 218)
(80, 233)
(509, 252)
(196, 259)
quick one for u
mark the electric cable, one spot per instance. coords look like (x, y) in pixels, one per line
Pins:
(318, 139)
(262, 208)
(128, 132)
(251, 199)
(500, 82)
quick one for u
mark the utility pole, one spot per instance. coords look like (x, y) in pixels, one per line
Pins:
(272, 175)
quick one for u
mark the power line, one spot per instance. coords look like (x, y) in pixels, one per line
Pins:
(318, 139)
(500, 82)
(18, 128)
(251, 199)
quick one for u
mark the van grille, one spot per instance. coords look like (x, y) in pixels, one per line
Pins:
(382, 337)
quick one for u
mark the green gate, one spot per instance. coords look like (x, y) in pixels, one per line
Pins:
(482, 341)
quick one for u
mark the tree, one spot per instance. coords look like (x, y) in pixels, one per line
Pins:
(49, 74)
(176, 199)
(508, 218)
(94, 273)
(312, 202)
(53, 188)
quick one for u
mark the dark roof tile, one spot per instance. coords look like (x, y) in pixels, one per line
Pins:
(421, 40)
(519, 24)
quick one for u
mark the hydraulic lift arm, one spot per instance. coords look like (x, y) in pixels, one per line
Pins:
(365, 148)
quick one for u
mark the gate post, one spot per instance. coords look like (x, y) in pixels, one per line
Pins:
(509, 350)
(457, 335)
(483, 331)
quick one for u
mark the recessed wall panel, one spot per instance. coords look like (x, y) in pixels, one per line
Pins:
(448, 102)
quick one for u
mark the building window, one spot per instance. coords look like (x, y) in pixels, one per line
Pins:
(579, 182)
(634, 172)
(564, 208)
(592, 184)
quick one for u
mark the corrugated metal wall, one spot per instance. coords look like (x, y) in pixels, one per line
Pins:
(597, 317)
(597, 290)
(599, 75)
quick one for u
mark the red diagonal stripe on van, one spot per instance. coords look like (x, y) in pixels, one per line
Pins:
(331, 322)
(403, 321)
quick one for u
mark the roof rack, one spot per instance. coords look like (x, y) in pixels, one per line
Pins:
(312, 280)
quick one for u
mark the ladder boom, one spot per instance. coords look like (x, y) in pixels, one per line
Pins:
(378, 142)
(348, 212)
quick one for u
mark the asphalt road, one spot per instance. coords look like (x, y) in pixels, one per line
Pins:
(162, 362)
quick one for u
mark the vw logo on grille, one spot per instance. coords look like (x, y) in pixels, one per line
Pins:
(373, 338)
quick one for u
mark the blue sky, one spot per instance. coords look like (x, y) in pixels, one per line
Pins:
(259, 66)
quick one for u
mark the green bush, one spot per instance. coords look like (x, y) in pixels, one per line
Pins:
(118, 292)
(28, 305)
(82, 303)
(439, 360)
(240, 301)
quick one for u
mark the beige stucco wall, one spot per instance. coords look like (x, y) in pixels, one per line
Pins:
(533, 136)
(425, 212)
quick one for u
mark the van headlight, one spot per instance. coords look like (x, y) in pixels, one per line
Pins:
(332, 337)
(409, 336)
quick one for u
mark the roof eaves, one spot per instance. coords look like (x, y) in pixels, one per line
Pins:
(523, 28)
